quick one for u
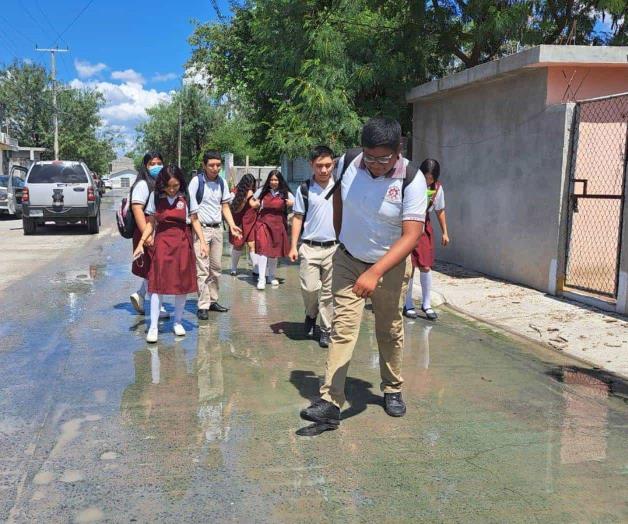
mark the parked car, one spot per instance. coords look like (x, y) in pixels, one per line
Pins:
(107, 182)
(11, 187)
(60, 191)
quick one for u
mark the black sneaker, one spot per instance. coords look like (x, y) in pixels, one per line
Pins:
(202, 314)
(323, 341)
(322, 412)
(308, 326)
(394, 405)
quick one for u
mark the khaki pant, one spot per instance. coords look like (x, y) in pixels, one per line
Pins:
(208, 269)
(387, 302)
(315, 274)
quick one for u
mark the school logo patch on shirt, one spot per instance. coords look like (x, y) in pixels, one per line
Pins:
(180, 205)
(393, 194)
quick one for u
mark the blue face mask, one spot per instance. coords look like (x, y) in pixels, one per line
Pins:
(154, 170)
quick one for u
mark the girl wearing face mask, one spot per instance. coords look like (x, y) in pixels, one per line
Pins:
(173, 263)
(144, 184)
(271, 231)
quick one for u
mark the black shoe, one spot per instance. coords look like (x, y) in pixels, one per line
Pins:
(308, 326)
(409, 313)
(430, 314)
(394, 404)
(324, 340)
(202, 314)
(322, 412)
(215, 306)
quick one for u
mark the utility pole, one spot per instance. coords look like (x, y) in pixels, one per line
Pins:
(53, 59)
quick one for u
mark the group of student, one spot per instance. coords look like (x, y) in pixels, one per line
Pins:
(361, 226)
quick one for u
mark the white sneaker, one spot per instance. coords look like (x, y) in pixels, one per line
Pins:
(163, 313)
(274, 282)
(261, 285)
(179, 330)
(152, 335)
(137, 301)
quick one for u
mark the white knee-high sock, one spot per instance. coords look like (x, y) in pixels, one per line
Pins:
(254, 261)
(155, 305)
(235, 258)
(409, 301)
(426, 289)
(179, 305)
(272, 268)
(261, 264)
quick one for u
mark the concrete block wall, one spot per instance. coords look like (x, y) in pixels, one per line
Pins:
(503, 155)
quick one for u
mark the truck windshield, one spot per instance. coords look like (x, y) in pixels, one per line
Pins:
(57, 174)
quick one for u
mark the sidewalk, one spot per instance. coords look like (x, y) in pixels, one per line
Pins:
(597, 337)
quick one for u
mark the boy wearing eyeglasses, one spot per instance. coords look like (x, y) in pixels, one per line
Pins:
(378, 217)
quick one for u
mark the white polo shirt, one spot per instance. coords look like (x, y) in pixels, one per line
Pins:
(210, 207)
(151, 207)
(140, 193)
(319, 221)
(373, 210)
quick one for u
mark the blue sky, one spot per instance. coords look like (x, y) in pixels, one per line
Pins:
(133, 51)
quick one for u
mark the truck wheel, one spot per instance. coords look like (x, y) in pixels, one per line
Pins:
(92, 225)
(29, 226)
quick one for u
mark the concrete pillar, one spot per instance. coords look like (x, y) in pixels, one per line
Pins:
(622, 290)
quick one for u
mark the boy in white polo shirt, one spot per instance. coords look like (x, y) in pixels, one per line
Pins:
(314, 214)
(379, 215)
(212, 196)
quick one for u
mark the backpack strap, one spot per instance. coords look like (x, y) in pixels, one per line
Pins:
(305, 189)
(348, 158)
(200, 190)
(411, 171)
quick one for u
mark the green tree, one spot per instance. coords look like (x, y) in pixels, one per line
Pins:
(25, 91)
(312, 71)
(204, 124)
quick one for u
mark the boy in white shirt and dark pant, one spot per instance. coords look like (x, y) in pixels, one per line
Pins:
(379, 215)
(314, 221)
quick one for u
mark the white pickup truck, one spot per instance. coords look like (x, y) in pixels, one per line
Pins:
(60, 191)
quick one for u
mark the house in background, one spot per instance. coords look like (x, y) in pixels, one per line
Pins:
(122, 173)
(535, 170)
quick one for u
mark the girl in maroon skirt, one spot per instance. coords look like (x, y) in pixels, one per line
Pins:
(173, 264)
(139, 193)
(271, 230)
(423, 254)
(244, 217)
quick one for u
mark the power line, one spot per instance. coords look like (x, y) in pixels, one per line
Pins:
(76, 18)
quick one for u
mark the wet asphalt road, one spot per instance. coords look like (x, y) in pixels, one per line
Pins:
(97, 425)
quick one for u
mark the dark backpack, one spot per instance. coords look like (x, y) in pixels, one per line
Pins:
(411, 170)
(125, 218)
(201, 187)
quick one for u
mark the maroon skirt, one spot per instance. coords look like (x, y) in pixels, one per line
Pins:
(423, 253)
(173, 264)
(246, 221)
(271, 236)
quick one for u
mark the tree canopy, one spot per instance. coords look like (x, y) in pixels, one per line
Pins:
(25, 93)
(311, 71)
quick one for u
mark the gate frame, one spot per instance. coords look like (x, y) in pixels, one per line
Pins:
(567, 202)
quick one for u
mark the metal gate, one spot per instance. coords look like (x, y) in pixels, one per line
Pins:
(599, 151)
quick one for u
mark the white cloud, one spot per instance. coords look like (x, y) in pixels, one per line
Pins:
(159, 77)
(128, 75)
(125, 104)
(194, 76)
(87, 70)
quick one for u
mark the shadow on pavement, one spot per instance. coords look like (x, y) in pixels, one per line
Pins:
(613, 384)
(292, 330)
(358, 391)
